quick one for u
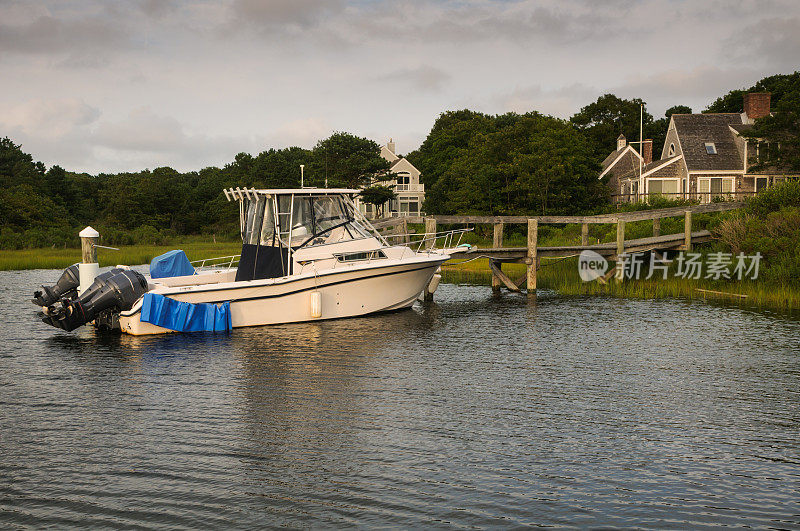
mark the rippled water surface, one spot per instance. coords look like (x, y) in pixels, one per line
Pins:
(472, 411)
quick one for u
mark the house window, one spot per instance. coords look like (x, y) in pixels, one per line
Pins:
(409, 207)
(403, 180)
(711, 149)
(662, 186)
(671, 151)
(711, 187)
(761, 183)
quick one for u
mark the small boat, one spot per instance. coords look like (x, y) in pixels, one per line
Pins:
(307, 254)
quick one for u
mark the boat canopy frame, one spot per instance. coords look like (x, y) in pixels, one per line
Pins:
(305, 223)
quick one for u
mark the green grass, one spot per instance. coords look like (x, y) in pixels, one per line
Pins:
(127, 254)
(561, 275)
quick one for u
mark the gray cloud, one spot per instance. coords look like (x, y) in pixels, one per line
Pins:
(281, 15)
(773, 41)
(562, 102)
(425, 78)
(47, 34)
(191, 83)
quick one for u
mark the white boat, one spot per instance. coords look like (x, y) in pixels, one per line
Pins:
(307, 254)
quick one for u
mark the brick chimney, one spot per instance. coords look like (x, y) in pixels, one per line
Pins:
(756, 105)
(390, 146)
(647, 151)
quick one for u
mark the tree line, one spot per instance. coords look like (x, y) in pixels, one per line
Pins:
(471, 162)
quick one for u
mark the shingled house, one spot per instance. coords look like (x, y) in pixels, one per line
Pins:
(408, 186)
(704, 157)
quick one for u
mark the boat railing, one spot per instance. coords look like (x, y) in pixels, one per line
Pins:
(219, 262)
(430, 242)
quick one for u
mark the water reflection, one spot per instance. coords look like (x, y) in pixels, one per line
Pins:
(476, 410)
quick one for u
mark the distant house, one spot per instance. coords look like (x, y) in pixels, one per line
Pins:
(410, 190)
(704, 157)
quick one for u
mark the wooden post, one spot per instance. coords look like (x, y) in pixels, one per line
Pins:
(533, 236)
(687, 231)
(657, 227)
(585, 234)
(88, 269)
(405, 238)
(620, 249)
(430, 232)
(88, 250)
(497, 242)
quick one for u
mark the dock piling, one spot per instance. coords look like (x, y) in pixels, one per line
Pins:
(533, 237)
(430, 232)
(687, 231)
(497, 242)
(620, 238)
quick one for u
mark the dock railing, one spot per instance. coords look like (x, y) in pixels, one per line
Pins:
(397, 230)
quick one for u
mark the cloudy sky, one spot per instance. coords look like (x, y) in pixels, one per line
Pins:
(110, 86)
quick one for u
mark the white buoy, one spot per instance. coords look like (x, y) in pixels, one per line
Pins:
(316, 304)
(88, 269)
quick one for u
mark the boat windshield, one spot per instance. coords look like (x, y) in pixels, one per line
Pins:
(315, 220)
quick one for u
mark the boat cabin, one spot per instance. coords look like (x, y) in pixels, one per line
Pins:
(287, 231)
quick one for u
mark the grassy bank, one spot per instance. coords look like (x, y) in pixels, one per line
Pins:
(562, 276)
(127, 254)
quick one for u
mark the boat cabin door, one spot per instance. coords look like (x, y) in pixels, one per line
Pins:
(264, 255)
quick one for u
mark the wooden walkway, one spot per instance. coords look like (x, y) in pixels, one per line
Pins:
(659, 243)
(397, 228)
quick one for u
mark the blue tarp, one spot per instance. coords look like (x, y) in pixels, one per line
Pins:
(185, 316)
(171, 264)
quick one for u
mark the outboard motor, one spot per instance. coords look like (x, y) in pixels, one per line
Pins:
(65, 288)
(114, 290)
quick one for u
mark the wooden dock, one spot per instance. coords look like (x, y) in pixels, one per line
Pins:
(397, 228)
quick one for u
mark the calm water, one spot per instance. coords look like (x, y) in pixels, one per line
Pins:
(473, 411)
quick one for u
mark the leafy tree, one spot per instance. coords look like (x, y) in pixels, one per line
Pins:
(520, 164)
(678, 109)
(782, 130)
(17, 167)
(448, 140)
(378, 195)
(606, 118)
(346, 160)
(779, 85)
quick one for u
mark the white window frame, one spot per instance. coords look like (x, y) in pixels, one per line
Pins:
(713, 148)
(704, 188)
(677, 182)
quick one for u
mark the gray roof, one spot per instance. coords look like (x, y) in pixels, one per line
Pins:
(741, 127)
(628, 161)
(609, 159)
(695, 130)
(647, 167)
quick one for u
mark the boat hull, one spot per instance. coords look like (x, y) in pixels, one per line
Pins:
(344, 293)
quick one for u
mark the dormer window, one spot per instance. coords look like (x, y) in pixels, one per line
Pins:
(671, 151)
(711, 149)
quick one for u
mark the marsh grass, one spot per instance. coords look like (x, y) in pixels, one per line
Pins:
(561, 275)
(127, 254)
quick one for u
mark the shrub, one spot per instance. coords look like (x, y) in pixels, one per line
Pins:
(775, 198)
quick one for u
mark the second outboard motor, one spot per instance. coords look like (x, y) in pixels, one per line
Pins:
(114, 290)
(66, 287)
